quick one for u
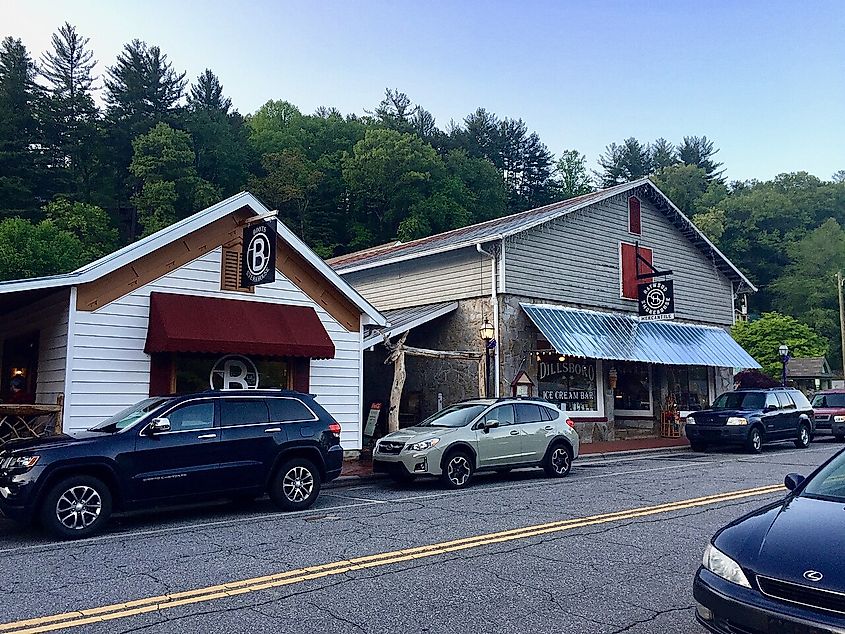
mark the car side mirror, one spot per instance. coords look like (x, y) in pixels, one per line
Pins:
(158, 426)
(793, 481)
(770, 408)
(487, 425)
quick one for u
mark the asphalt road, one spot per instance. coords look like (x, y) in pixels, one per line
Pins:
(612, 548)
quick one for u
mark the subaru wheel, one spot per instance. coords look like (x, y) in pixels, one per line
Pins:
(457, 470)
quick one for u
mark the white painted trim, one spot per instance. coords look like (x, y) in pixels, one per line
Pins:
(69, 356)
(502, 269)
(361, 421)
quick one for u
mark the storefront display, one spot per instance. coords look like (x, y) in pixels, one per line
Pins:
(570, 383)
(689, 386)
(632, 395)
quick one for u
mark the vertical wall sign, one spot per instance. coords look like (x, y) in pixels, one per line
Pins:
(258, 261)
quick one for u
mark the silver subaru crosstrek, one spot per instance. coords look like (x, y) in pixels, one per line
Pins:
(483, 434)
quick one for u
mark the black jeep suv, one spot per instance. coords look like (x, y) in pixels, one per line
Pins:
(235, 444)
(751, 417)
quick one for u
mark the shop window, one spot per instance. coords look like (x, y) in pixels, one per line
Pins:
(633, 389)
(192, 417)
(572, 384)
(634, 216)
(689, 388)
(192, 372)
(628, 269)
(230, 270)
(247, 411)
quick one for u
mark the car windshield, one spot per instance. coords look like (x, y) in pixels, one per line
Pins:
(127, 417)
(740, 400)
(454, 416)
(829, 483)
(829, 400)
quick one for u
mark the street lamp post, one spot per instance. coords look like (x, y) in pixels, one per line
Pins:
(486, 332)
(783, 350)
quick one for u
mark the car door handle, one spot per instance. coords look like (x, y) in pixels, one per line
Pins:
(206, 436)
(515, 432)
(272, 430)
(549, 428)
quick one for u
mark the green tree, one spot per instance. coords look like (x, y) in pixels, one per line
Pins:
(762, 338)
(289, 185)
(22, 174)
(624, 163)
(485, 197)
(276, 126)
(711, 223)
(220, 138)
(33, 249)
(699, 151)
(206, 93)
(88, 223)
(683, 184)
(572, 177)
(663, 154)
(169, 187)
(807, 288)
(70, 127)
(142, 85)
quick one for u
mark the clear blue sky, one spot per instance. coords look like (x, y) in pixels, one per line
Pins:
(765, 80)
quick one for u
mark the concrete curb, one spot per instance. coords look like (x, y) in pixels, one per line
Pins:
(352, 480)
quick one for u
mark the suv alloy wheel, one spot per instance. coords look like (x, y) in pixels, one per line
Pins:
(76, 507)
(754, 443)
(559, 461)
(296, 485)
(803, 440)
(457, 470)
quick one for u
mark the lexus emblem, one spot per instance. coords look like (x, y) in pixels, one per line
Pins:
(813, 575)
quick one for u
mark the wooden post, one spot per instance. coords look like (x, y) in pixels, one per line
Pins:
(397, 357)
(60, 403)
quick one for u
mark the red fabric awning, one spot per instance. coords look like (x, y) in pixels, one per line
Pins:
(188, 323)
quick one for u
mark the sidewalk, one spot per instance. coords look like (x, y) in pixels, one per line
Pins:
(358, 470)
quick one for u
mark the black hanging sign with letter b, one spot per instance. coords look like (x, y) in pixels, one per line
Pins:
(258, 260)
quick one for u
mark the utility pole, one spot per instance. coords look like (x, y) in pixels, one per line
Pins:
(839, 283)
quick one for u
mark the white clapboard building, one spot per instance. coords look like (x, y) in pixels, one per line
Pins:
(168, 314)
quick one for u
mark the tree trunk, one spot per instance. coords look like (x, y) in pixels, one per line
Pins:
(397, 356)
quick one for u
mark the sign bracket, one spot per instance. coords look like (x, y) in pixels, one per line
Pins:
(641, 260)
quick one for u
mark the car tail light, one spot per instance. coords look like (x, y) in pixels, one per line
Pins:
(570, 422)
(334, 427)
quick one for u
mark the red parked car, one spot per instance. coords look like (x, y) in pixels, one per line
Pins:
(829, 408)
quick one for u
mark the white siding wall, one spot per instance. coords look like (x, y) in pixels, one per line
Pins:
(435, 278)
(49, 316)
(111, 369)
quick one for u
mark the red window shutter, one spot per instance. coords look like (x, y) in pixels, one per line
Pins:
(629, 269)
(634, 216)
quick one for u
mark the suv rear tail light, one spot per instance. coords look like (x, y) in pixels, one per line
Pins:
(334, 427)
(570, 422)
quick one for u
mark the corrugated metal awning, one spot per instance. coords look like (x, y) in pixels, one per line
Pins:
(405, 319)
(595, 335)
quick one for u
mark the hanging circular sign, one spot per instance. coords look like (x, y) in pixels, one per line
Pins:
(258, 255)
(258, 262)
(233, 372)
(657, 300)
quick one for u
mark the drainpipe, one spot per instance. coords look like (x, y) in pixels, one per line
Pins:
(494, 303)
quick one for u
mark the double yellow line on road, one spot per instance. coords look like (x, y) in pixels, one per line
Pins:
(200, 595)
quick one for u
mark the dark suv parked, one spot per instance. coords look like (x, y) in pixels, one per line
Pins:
(236, 444)
(752, 417)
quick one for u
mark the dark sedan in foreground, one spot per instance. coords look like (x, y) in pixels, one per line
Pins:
(782, 567)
